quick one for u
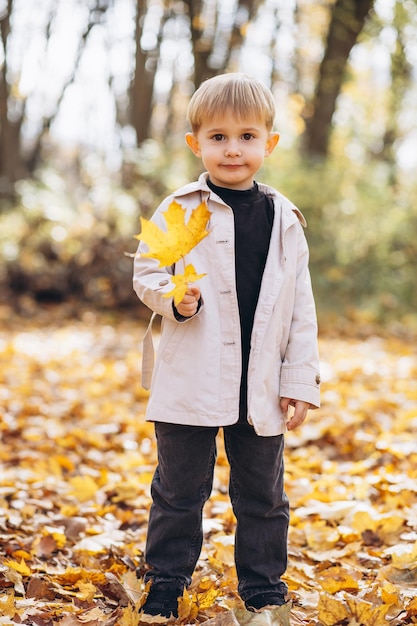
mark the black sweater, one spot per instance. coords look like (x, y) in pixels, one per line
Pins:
(253, 213)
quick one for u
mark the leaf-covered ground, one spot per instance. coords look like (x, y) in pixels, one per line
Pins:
(76, 461)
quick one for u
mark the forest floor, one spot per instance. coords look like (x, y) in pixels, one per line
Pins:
(77, 458)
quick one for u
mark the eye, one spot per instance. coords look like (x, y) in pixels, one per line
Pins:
(247, 136)
(218, 137)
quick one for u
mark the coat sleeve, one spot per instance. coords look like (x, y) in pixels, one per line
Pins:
(151, 282)
(300, 376)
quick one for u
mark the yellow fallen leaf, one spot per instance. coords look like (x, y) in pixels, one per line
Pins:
(206, 599)
(22, 554)
(362, 520)
(412, 608)
(390, 594)
(319, 536)
(7, 605)
(19, 567)
(390, 524)
(95, 616)
(337, 579)
(83, 488)
(366, 613)
(205, 583)
(130, 617)
(64, 462)
(69, 510)
(403, 555)
(152, 619)
(60, 540)
(70, 576)
(187, 607)
(86, 592)
(216, 565)
(224, 551)
(132, 585)
(16, 578)
(181, 282)
(332, 611)
(179, 239)
(279, 616)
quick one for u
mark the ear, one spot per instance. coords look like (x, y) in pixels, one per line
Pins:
(192, 142)
(271, 143)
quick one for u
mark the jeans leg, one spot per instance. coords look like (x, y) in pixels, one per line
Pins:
(180, 487)
(261, 509)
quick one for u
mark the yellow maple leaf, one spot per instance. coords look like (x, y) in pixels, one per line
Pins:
(412, 607)
(181, 282)
(19, 567)
(390, 594)
(7, 605)
(404, 555)
(179, 238)
(366, 612)
(336, 579)
(86, 591)
(83, 487)
(279, 616)
(94, 616)
(207, 598)
(129, 617)
(70, 576)
(331, 610)
(187, 607)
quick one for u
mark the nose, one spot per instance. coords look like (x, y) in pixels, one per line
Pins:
(232, 148)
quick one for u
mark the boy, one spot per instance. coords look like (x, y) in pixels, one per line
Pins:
(234, 355)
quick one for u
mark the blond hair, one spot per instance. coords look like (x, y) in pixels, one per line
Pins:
(245, 96)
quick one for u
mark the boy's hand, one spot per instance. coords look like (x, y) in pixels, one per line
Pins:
(189, 304)
(300, 411)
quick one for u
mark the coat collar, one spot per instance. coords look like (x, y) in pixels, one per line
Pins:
(290, 213)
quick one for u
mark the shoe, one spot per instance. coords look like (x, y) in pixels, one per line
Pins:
(263, 600)
(161, 602)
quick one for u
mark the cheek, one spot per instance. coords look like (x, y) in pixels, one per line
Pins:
(260, 154)
(210, 153)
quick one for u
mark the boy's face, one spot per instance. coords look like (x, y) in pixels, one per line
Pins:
(232, 150)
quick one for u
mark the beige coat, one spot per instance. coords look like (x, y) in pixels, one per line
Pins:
(196, 379)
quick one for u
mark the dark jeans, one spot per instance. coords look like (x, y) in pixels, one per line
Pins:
(181, 485)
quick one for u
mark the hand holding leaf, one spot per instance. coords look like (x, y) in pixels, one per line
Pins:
(181, 282)
(175, 242)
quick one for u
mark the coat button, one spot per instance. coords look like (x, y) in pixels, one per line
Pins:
(318, 379)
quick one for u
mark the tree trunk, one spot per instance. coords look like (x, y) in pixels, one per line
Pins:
(141, 90)
(15, 162)
(401, 78)
(11, 165)
(245, 13)
(348, 19)
(202, 46)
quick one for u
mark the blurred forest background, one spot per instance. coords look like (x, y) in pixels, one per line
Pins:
(92, 118)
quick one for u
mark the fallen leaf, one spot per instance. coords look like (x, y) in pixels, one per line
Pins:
(7, 605)
(337, 579)
(279, 616)
(83, 488)
(86, 591)
(332, 610)
(366, 613)
(19, 567)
